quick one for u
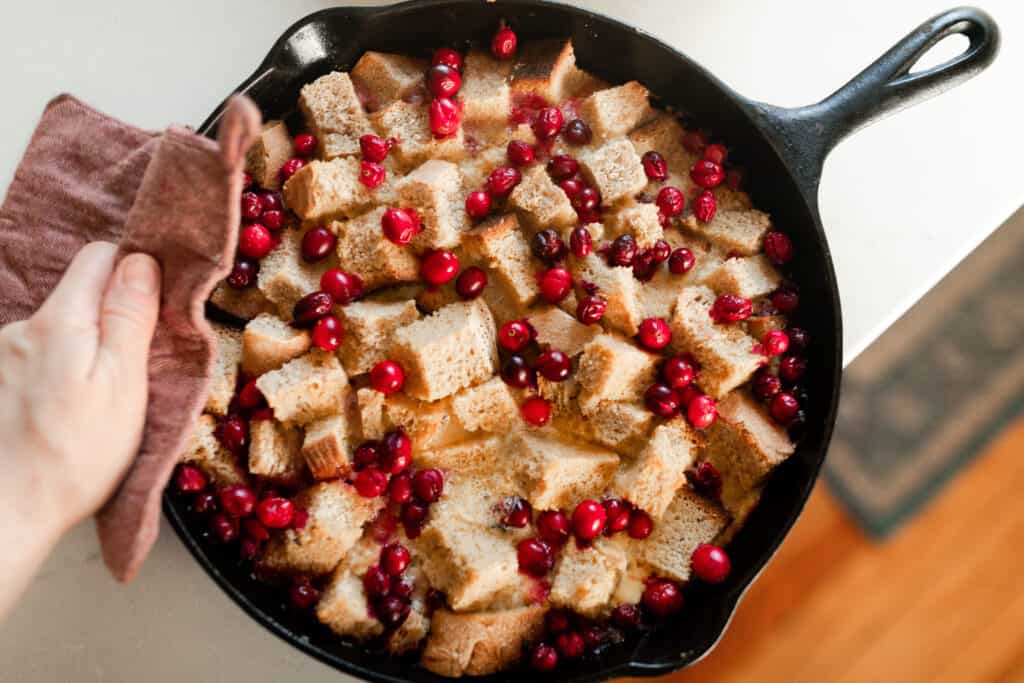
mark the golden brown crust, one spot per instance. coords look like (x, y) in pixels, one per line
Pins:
(480, 643)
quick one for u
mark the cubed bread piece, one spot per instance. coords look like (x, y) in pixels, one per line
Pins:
(472, 565)
(503, 304)
(225, 368)
(580, 84)
(744, 444)
(432, 189)
(244, 304)
(327, 188)
(285, 277)
(621, 426)
(613, 369)
(267, 155)
(727, 355)
(561, 395)
(616, 111)
(306, 388)
(479, 454)
(748, 277)
(337, 514)
(204, 450)
(738, 231)
(585, 578)
(664, 134)
(657, 297)
(689, 520)
(615, 170)
(269, 342)
(558, 473)
(326, 447)
(759, 325)
(368, 327)
(619, 289)
(480, 643)
(727, 199)
(370, 408)
(477, 495)
(363, 249)
(344, 609)
(382, 78)
(638, 220)
(420, 420)
(275, 451)
(542, 203)
(335, 115)
(651, 481)
(409, 123)
(542, 67)
(499, 244)
(476, 167)
(490, 407)
(485, 91)
(451, 349)
(556, 329)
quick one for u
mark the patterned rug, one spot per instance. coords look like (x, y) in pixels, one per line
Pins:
(934, 389)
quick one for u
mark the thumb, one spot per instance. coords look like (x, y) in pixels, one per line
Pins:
(129, 310)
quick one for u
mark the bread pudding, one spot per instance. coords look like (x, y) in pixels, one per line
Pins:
(511, 363)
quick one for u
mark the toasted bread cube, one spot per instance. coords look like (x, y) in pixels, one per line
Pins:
(269, 342)
(204, 450)
(370, 408)
(613, 369)
(382, 78)
(275, 451)
(267, 155)
(433, 190)
(244, 304)
(368, 327)
(410, 124)
(556, 329)
(327, 188)
(451, 349)
(561, 395)
(748, 277)
(579, 84)
(619, 288)
(727, 355)
(363, 249)
(420, 420)
(638, 220)
(586, 578)
(689, 520)
(738, 231)
(651, 481)
(306, 388)
(285, 277)
(479, 454)
(542, 203)
(337, 514)
(485, 92)
(499, 244)
(343, 607)
(759, 325)
(616, 111)
(558, 473)
(480, 643)
(744, 445)
(471, 564)
(621, 426)
(490, 407)
(477, 493)
(326, 447)
(478, 166)
(542, 68)
(615, 170)
(664, 135)
(334, 114)
(502, 303)
(225, 368)
(727, 199)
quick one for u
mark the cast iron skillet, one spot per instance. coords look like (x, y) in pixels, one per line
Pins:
(784, 150)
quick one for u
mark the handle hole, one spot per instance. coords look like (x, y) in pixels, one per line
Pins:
(945, 50)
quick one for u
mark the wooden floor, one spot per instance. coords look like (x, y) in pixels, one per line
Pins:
(941, 600)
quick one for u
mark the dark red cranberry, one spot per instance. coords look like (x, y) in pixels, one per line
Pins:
(563, 167)
(478, 204)
(243, 273)
(503, 180)
(224, 528)
(327, 333)
(547, 245)
(276, 512)
(402, 588)
(792, 368)
(786, 300)
(189, 479)
(570, 645)
(705, 480)
(448, 57)
(591, 309)
(304, 144)
(255, 529)
(248, 549)
(654, 165)
(695, 141)
(374, 148)
(644, 265)
(387, 377)
(400, 488)
(517, 373)
(503, 44)
(536, 411)
(588, 216)
(272, 201)
(255, 241)
(784, 407)
(588, 520)
(392, 611)
(343, 287)
(616, 511)
(670, 201)
(701, 411)
(555, 284)
(395, 558)
(549, 123)
(290, 168)
(778, 248)
(716, 153)
(303, 594)
(400, 225)
(397, 452)
(660, 251)
(272, 220)
(767, 385)
(587, 199)
(471, 282)
(428, 485)
(370, 482)
(678, 372)
(233, 434)
(237, 500)
(300, 519)
(681, 261)
(705, 206)
(580, 242)
(654, 334)
(376, 582)
(444, 116)
(799, 338)
(640, 524)
(311, 308)
(775, 342)
(520, 153)
(622, 251)
(594, 637)
(414, 516)
(663, 597)
(577, 132)
(443, 80)
(710, 563)
(514, 335)
(556, 621)
(729, 308)
(626, 616)
(252, 206)
(543, 658)
(317, 243)
(372, 174)
(439, 267)
(554, 365)
(204, 503)
(662, 400)
(518, 513)
(553, 526)
(707, 174)
(535, 556)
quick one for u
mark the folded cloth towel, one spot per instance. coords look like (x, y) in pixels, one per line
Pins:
(174, 195)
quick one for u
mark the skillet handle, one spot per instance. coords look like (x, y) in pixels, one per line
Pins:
(808, 134)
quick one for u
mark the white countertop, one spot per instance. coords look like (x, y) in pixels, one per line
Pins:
(902, 203)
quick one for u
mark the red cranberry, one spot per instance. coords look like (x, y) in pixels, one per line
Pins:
(626, 616)
(400, 225)
(224, 527)
(376, 582)
(520, 153)
(716, 153)
(705, 480)
(370, 482)
(654, 165)
(553, 526)
(536, 411)
(311, 308)
(644, 265)
(729, 308)
(443, 81)
(255, 241)
(252, 206)
(237, 500)
(588, 520)
(555, 284)
(778, 248)
(547, 245)
(327, 333)
(303, 594)
(543, 658)
(767, 385)
(580, 242)
(190, 479)
(275, 513)
(681, 261)
(622, 251)
(514, 335)
(678, 372)
(660, 251)
(248, 549)
(591, 309)
(786, 300)
(663, 597)
(317, 244)
(478, 204)
(775, 342)
(587, 199)
(471, 282)
(243, 273)
(640, 524)
(246, 180)
(397, 444)
(439, 267)
(387, 377)
(272, 220)
(695, 141)
(792, 368)
(577, 132)
(304, 144)
(400, 488)
(402, 588)
(413, 517)
(554, 365)
(710, 563)
(518, 513)
(799, 338)
(444, 116)
(535, 557)
(616, 511)
(290, 168)
(503, 44)
(374, 148)
(254, 530)
(517, 373)
(448, 57)
(392, 611)
(557, 621)
(654, 334)
(670, 201)
(701, 411)
(662, 400)
(372, 174)
(707, 174)
(784, 407)
(395, 558)
(570, 644)
(588, 216)
(563, 167)
(233, 434)
(705, 206)
(272, 201)
(549, 123)
(428, 485)
(502, 181)
(300, 519)
(366, 454)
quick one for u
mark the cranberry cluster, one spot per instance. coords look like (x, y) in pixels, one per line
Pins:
(782, 390)
(387, 588)
(517, 370)
(675, 393)
(444, 80)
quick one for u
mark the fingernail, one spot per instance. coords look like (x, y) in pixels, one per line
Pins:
(141, 273)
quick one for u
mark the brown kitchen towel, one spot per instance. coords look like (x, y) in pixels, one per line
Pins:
(174, 195)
